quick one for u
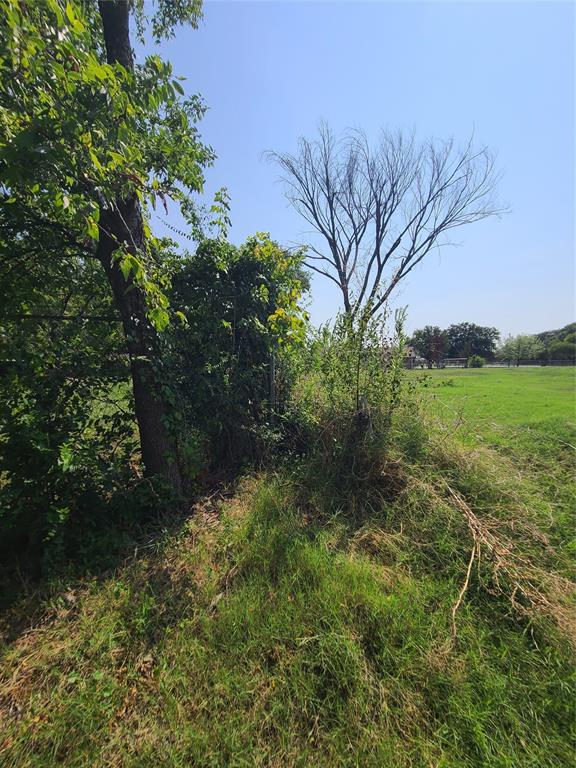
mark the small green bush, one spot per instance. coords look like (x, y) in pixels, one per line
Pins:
(475, 361)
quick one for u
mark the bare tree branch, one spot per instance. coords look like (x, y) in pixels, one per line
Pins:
(381, 210)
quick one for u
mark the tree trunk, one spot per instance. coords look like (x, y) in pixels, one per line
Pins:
(122, 224)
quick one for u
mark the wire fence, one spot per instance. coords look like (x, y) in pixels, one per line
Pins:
(462, 362)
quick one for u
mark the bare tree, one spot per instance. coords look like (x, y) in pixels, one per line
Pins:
(382, 209)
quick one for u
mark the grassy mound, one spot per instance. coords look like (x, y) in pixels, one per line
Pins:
(290, 625)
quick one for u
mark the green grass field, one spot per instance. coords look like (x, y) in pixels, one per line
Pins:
(526, 416)
(504, 396)
(528, 412)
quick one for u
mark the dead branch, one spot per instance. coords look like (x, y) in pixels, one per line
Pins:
(464, 588)
(538, 589)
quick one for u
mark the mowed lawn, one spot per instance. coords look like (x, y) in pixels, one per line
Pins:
(503, 396)
(528, 414)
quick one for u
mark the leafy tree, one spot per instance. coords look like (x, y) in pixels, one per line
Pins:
(466, 339)
(89, 141)
(556, 335)
(562, 350)
(430, 342)
(523, 347)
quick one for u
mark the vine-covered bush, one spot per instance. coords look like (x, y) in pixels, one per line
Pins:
(239, 314)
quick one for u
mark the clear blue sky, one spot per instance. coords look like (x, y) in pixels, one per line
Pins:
(269, 71)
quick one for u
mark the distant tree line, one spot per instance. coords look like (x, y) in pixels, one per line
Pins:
(467, 340)
(462, 340)
(559, 345)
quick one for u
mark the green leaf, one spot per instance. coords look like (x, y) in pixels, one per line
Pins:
(182, 317)
(159, 318)
(92, 228)
(71, 15)
(66, 459)
(126, 266)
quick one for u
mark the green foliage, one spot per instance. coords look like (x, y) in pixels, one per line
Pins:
(430, 342)
(349, 382)
(516, 348)
(78, 136)
(166, 15)
(352, 364)
(466, 339)
(562, 350)
(77, 133)
(239, 310)
(550, 345)
(557, 335)
(462, 340)
(66, 427)
(475, 361)
(70, 483)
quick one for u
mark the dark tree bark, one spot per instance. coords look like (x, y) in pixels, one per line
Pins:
(115, 15)
(122, 225)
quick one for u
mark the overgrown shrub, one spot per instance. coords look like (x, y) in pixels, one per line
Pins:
(239, 316)
(475, 361)
(348, 387)
(67, 432)
(69, 458)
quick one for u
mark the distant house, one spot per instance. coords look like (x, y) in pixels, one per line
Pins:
(412, 359)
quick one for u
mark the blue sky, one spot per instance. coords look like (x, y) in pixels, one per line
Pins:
(269, 71)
